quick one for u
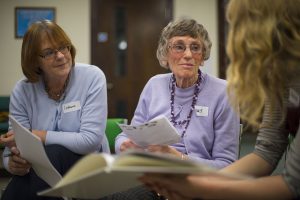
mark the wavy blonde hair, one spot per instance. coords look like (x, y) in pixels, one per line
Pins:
(264, 51)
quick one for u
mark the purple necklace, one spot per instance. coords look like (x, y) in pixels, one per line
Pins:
(195, 97)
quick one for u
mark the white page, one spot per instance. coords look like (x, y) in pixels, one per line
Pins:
(32, 149)
(158, 131)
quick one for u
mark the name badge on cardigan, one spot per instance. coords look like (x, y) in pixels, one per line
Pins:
(72, 106)
(201, 111)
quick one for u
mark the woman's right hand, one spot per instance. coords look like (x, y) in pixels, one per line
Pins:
(8, 139)
(128, 144)
(16, 164)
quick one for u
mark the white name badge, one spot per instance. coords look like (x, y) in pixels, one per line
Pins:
(72, 106)
(201, 111)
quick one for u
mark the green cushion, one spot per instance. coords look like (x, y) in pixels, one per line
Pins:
(4, 107)
(4, 103)
(3, 127)
(112, 130)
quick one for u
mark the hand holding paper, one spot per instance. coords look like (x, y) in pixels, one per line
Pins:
(32, 149)
(158, 131)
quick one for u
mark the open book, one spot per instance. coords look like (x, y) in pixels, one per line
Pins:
(98, 175)
(157, 131)
(31, 148)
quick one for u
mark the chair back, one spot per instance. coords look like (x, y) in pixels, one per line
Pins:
(4, 109)
(4, 103)
(113, 130)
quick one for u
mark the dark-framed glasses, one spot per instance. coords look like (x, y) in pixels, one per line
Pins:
(180, 48)
(50, 54)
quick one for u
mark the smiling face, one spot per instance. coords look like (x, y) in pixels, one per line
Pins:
(58, 67)
(184, 59)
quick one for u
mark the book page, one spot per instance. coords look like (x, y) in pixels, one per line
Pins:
(96, 185)
(158, 131)
(148, 162)
(86, 166)
(144, 158)
(142, 161)
(32, 149)
(89, 179)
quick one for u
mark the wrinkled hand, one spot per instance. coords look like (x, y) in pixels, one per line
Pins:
(164, 187)
(8, 139)
(16, 164)
(128, 144)
(164, 149)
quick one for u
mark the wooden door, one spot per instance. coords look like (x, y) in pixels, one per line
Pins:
(125, 35)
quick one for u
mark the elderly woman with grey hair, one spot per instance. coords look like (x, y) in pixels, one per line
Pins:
(194, 102)
(263, 82)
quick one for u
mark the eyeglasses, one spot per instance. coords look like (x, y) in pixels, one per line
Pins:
(180, 48)
(50, 54)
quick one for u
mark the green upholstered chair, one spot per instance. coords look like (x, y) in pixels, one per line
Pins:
(4, 111)
(4, 108)
(112, 130)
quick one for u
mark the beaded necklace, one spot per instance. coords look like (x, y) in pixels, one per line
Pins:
(57, 96)
(195, 97)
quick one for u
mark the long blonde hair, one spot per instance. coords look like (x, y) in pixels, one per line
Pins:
(264, 51)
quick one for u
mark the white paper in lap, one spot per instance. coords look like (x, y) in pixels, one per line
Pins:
(32, 149)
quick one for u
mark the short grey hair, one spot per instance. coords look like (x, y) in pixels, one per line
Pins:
(182, 27)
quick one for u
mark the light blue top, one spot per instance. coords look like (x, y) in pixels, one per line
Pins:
(77, 121)
(213, 134)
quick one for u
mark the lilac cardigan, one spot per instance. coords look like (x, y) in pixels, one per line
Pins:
(212, 137)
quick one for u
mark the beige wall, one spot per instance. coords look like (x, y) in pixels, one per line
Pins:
(74, 17)
(205, 12)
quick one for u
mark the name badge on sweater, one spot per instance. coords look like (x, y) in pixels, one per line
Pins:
(201, 111)
(72, 106)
